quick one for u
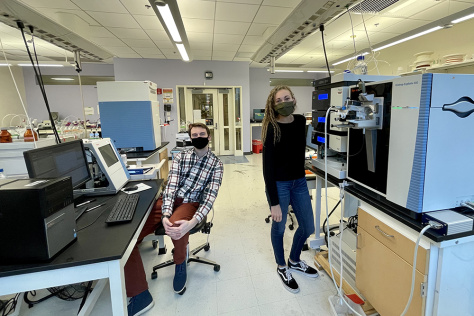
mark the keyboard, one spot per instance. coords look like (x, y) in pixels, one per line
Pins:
(124, 209)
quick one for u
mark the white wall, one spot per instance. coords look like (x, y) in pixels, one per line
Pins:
(65, 99)
(171, 73)
(9, 100)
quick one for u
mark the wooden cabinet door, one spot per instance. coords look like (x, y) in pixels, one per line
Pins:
(384, 278)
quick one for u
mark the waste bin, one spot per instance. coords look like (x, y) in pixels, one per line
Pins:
(257, 146)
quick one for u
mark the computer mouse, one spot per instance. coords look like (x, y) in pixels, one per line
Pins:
(133, 188)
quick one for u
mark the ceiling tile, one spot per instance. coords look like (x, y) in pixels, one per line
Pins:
(439, 11)
(217, 53)
(115, 19)
(267, 14)
(248, 48)
(99, 31)
(120, 50)
(128, 33)
(226, 47)
(379, 23)
(198, 25)
(112, 6)
(125, 55)
(222, 58)
(242, 1)
(164, 44)
(141, 7)
(407, 25)
(149, 22)
(148, 43)
(202, 57)
(147, 51)
(235, 12)
(200, 45)
(54, 4)
(171, 53)
(107, 41)
(157, 35)
(243, 55)
(228, 39)
(196, 9)
(260, 29)
(253, 40)
(226, 27)
(153, 56)
(59, 15)
(282, 3)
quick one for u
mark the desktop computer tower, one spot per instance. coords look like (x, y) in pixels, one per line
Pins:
(36, 219)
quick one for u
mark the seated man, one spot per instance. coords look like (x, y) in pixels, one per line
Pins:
(193, 183)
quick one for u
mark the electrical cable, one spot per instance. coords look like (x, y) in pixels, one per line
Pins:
(10, 305)
(82, 98)
(78, 230)
(352, 27)
(324, 223)
(321, 28)
(368, 39)
(21, 26)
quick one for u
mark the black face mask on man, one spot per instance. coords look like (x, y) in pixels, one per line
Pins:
(200, 142)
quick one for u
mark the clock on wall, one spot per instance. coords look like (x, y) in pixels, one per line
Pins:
(208, 75)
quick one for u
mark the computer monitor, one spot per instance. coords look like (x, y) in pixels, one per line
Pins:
(61, 160)
(258, 115)
(309, 138)
(111, 165)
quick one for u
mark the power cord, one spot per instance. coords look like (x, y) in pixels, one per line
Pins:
(9, 306)
(321, 28)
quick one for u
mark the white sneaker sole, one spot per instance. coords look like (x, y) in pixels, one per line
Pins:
(312, 276)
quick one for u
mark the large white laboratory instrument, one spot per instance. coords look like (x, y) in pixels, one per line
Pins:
(129, 114)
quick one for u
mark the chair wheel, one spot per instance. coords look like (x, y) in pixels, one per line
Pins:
(217, 267)
(154, 275)
(267, 220)
(155, 244)
(291, 227)
(206, 248)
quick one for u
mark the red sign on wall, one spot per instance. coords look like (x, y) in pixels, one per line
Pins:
(159, 91)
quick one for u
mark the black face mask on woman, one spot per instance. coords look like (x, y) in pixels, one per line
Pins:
(200, 142)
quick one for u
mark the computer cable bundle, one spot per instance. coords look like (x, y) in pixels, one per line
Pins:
(9, 306)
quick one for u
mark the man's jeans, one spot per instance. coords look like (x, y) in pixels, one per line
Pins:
(294, 192)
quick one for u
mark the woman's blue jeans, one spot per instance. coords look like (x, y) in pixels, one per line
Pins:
(296, 194)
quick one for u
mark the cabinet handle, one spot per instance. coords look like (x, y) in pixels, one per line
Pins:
(383, 233)
(357, 240)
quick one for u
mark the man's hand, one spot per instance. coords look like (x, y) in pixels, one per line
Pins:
(180, 228)
(276, 213)
(166, 223)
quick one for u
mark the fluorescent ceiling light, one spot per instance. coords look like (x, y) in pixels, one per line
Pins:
(169, 21)
(5, 64)
(467, 17)
(63, 79)
(319, 71)
(288, 70)
(347, 59)
(408, 38)
(42, 65)
(182, 51)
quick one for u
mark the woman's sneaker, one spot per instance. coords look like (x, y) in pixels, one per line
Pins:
(303, 268)
(287, 280)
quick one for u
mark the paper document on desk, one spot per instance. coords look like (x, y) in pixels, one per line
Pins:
(140, 187)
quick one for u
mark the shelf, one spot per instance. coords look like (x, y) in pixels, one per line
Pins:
(469, 62)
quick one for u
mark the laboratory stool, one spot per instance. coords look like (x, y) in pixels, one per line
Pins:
(204, 227)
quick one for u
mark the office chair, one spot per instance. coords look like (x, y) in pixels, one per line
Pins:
(290, 211)
(204, 227)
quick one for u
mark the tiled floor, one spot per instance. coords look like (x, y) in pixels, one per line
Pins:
(247, 283)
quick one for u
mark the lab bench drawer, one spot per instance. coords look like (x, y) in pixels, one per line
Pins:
(384, 278)
(394, 240)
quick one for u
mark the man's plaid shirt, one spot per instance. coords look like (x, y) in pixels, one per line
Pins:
(195, 180)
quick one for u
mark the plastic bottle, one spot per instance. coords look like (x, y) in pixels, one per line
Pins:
(5, 136)
(29, 134)
(360, 66)
(2, 174)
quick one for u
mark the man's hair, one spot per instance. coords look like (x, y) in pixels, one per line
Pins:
(199, 125)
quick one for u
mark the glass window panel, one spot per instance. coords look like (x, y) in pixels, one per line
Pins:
(211, 142)
(238, 139)
(226, 139)
(182, 110)
(238, 118)
(204, 103)
(226, 109)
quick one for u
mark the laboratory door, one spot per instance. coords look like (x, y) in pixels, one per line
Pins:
(213, 108)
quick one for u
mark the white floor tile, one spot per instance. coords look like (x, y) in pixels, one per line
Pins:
(236, 294)
(288, 307)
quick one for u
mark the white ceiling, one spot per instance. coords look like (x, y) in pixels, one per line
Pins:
(230, 30)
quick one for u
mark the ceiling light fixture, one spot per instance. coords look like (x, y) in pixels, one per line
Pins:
(288, 70)
(319, 71)
(167, 12)
(5, 65)
(63, 79)
(409, 38)
(467, 17)
(347, 59)
(41, 65)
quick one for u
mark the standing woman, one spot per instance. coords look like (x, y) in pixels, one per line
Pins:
(284, 139)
